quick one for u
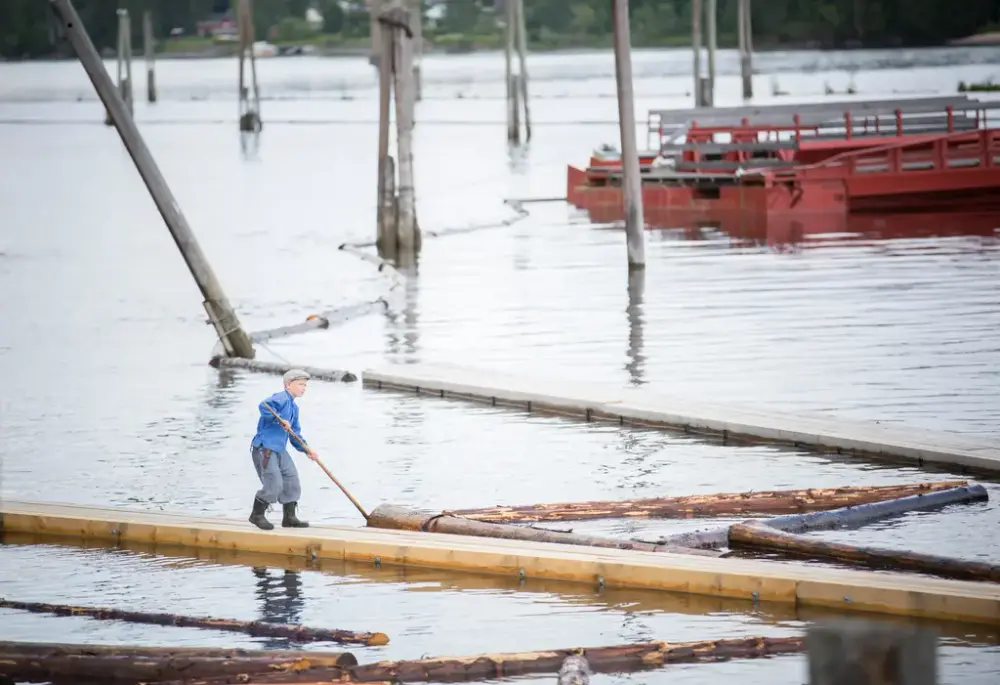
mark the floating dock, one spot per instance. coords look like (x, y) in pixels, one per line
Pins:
(799, 584)
(625, 405)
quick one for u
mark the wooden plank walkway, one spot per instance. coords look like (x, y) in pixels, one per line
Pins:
(787, 582)
(597, 401)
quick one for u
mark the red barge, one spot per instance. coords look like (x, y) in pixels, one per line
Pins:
(810, 168)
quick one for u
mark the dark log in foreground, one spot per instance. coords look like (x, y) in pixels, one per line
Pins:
(400, 518)
(847, 516)
(614, 659)
(760, 536)
(696, 506)
(255, 628)
(36, 662)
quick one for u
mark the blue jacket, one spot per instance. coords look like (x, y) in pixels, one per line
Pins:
(270, 434)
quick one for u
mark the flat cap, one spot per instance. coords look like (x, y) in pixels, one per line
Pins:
(294, 375)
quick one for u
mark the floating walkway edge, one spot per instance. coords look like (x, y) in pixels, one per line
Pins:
(756, 580)
(607, 402)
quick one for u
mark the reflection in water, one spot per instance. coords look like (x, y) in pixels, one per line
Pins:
(402, 331)
(518, 157)
(250, 145)
(634, 311)
(280, 601)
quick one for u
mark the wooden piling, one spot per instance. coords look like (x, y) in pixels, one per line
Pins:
(123, 64)
(712, 14)
(249, 96)
(254, 628)
(513, 89)
(234, 339)
(522, 58)
(696, 40)
(335, 375)
(386, 201)
(727, 504)
(853, 652)
(417, 26)
(34, 662)
(393, 517)
(745, 32)
(149, 48)
(407, 226)
(632, 182)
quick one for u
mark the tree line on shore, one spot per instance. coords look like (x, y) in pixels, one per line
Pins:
(27, 30)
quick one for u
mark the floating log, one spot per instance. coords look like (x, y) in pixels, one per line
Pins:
(127, 664)
(757, 535)
(400, 518)
(868, 513)
(254, 628)
(697, 506)
(614, 659)
(836, 518)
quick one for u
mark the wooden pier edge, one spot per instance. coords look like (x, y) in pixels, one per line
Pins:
(638, 406)
(756, 580)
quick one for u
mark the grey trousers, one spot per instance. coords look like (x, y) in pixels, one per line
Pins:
(278, 476)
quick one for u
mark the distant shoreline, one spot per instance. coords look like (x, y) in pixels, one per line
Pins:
(228, 50)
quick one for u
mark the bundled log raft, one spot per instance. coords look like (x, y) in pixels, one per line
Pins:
(400, 518)
(698, 506)
(34, 662)
(757, 535)
(254, 628)
(619, 658)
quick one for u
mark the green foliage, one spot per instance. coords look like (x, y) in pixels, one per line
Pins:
(26, 30)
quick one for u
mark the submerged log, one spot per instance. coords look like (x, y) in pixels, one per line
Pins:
(696, 506)
(400, 518)
(254, 628)
(757, 535)
(614, 659)
(36, 662)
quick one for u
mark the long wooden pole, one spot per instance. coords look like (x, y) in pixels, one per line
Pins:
(632, 185)
(712, 12)
(386, 229)
(315, 458)
(407, 226)
(149, 48)
(235, 340)
(696, 39)
(255, 628)
(522, 56)
(513, 92)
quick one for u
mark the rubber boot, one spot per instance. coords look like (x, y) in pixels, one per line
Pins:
(257, 517)
(291, 520)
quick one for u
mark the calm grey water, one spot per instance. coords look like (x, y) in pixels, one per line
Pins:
(107, 398)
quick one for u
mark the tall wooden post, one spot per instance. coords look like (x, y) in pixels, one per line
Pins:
(386, 210)
(123, 63)
(513, 89)
(374, 12)
(854, 652)
(149, 48)
(522, 56)
(712, 14)
(234, 340)
(249, 101)
(407, 228)
(696, 35)
(417, 26)
(746, 48)
(632, 182)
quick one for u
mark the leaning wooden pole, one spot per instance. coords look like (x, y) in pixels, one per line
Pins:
(254, 628)
(234, 339)
(632, 183)
(34, 662)
(759, 535)
(400, 518)
(725, 504)
(626, 658)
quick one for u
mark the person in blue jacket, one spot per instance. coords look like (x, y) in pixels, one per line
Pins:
(278, 476)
